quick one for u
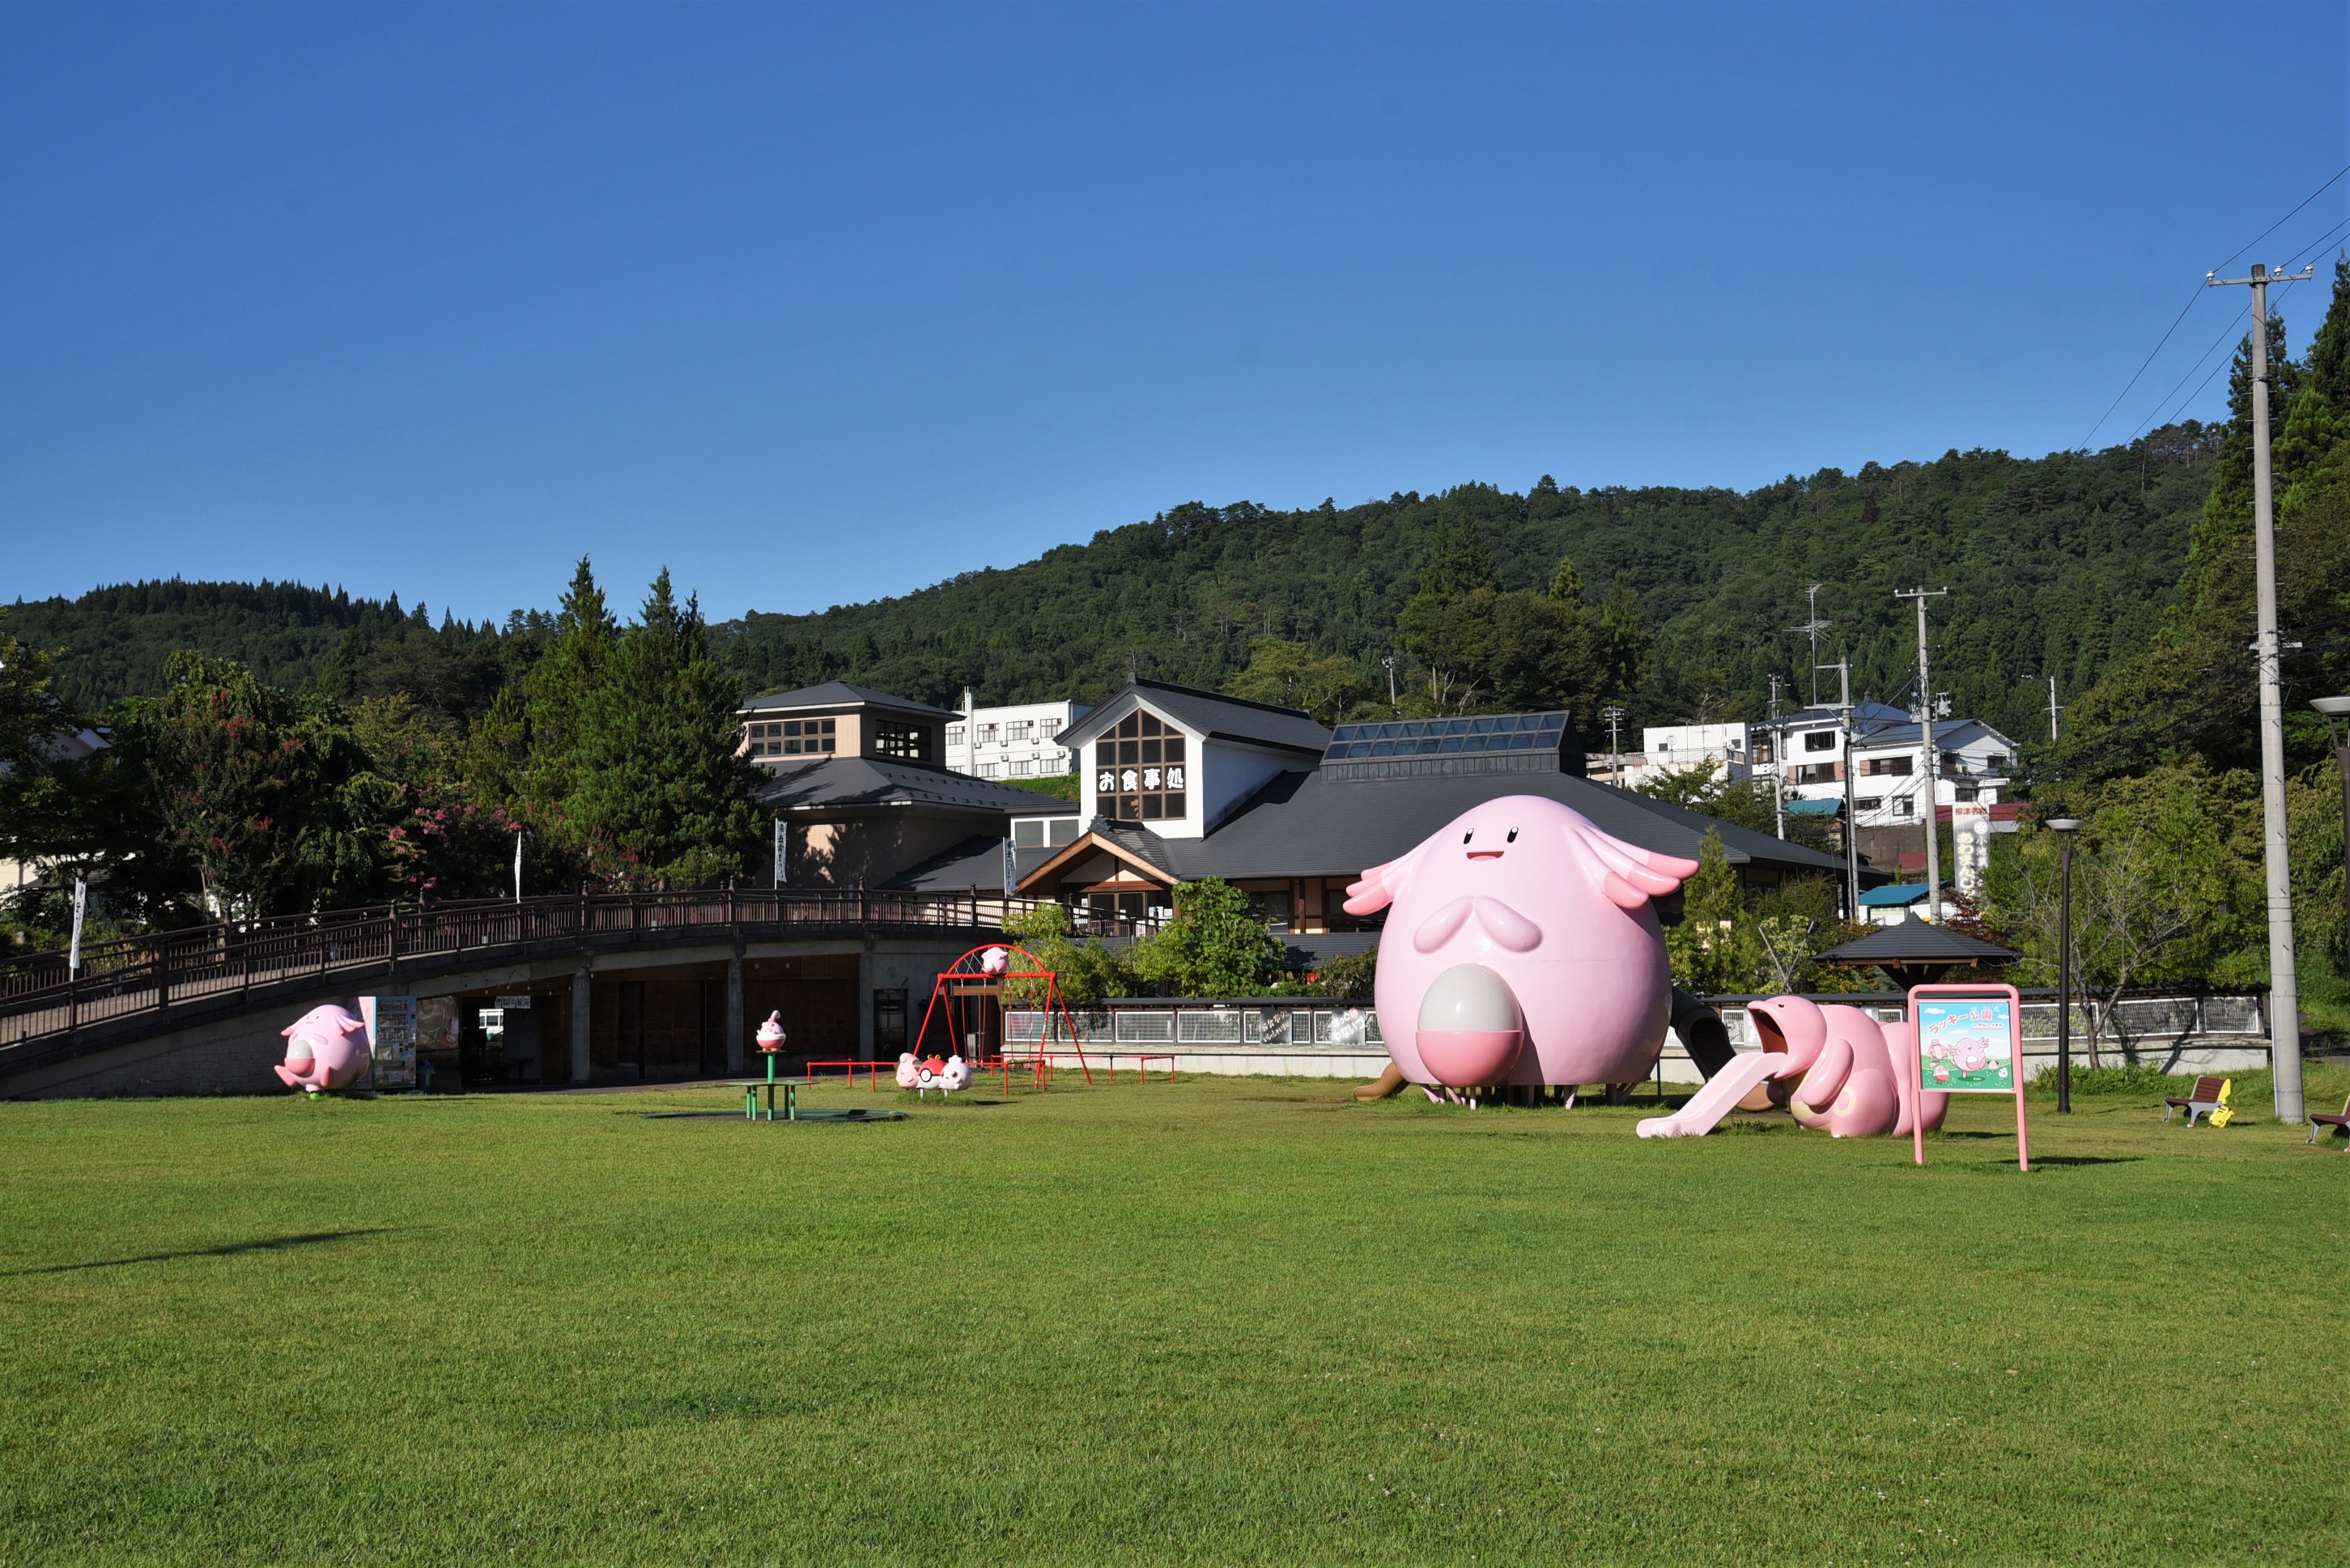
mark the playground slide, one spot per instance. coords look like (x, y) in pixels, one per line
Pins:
(1718, 1098)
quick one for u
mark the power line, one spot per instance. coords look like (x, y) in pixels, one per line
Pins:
(2189, 306)
(2281, 223)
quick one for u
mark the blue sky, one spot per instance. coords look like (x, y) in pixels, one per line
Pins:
(819, 305)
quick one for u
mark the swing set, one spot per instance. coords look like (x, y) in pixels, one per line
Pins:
(975, 980)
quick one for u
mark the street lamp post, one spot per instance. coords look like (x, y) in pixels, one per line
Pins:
(2339, 708)
(2065, 828)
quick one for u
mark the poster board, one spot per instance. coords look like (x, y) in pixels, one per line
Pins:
(1967, 1039)
(392, 1038)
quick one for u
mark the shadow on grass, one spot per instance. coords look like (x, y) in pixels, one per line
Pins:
(2040, 1159)
(227, 1250)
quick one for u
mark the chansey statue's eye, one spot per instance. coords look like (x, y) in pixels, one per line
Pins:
(1468, 835)
(1513, 838)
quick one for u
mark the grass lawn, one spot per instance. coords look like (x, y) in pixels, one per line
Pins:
(1229, 1322)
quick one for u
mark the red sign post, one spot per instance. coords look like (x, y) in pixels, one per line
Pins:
(1967, 1039)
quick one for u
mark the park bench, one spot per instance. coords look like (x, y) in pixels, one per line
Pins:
(2339, 1123)
(2208, 1095)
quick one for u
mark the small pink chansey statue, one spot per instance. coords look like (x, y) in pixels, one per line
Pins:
(771, 1034)
(325, 1048)
(995, 960)
(1520, 947)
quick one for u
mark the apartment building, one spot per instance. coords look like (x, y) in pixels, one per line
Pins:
(1012, 742)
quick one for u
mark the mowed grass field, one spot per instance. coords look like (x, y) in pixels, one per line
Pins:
(1218, 1322)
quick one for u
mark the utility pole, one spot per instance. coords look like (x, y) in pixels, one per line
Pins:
(2285, 991)
(1778, 762)
(1929, 756)
(1842, 667)
(2052, 710)
(1389, 662)
(1813, 627)
(1615, 717)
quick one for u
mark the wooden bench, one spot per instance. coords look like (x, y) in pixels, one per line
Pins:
(2340, 1122)
(2208, 1095)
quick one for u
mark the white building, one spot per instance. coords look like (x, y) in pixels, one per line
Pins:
(1015, 742)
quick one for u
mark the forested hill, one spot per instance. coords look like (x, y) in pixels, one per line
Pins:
(2055, 566)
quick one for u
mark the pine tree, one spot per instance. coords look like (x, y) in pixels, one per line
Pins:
(558, 692)
(1566, 583)
(661, 792)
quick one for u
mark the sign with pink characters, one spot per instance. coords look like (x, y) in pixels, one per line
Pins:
(1969, 1041)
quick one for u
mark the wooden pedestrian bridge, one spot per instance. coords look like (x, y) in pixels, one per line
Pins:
(246, 978)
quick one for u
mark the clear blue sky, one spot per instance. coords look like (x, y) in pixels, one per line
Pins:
(819, 305)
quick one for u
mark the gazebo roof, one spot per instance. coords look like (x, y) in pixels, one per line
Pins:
(1916, 942)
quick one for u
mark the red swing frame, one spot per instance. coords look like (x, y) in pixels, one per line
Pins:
(957, 981)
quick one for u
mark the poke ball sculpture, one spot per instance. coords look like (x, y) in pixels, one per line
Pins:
(930, 1073)
(325, 1048)
(1521, 945)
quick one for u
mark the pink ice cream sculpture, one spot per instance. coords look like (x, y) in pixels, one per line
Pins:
(1843, 1068)
(1520, 946)
(325, 1048)
(770, 1033)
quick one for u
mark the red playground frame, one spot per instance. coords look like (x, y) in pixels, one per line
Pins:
(966, 977)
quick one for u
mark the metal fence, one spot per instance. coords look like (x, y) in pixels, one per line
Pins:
(1206, 1025)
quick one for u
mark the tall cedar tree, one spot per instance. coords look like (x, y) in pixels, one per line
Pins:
(662, 795)
(560, 693)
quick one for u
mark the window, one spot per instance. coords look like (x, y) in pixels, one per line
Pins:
(1139, 770)
(987, 734)
(1029, 834)
(791, 737)
(1819, 740)
(1905, 807)
(1020, 730)
(954, 734)
(1868, 802)
(1062, 830)
(1024, 768)
(1965, 794)
(1997, 763)
(910, 742)
(1815, 773)
(1052, 728)
(991, 770)
(1897, 767)
(888, 1022)
(1763, 748)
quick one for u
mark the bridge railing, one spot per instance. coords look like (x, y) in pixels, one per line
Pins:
(43, 999)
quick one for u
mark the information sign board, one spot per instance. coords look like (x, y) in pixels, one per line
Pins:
(1967, 1039)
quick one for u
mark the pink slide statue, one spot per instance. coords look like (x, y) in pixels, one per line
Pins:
(1843, 1066)
(1520, 943)
(325, 1048)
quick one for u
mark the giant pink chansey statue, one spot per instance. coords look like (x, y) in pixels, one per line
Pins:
(1521, 948)
(325, 1048)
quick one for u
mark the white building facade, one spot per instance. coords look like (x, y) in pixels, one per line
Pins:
(1015, 742)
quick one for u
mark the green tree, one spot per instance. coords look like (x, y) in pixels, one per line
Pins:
(266, 792)
(1292, 675)
(661, 792)
(560, 693)
(1215, 945)
(1566, 583)
(1085, 970)
(1708, 950)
